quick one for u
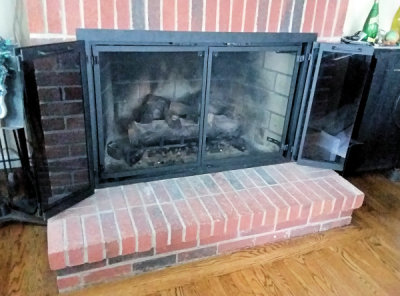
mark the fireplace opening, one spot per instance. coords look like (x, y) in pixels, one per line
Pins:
(151, 108)
(170, 107)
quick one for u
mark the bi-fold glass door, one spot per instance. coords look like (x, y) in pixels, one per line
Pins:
(165, 108)
(337, 78)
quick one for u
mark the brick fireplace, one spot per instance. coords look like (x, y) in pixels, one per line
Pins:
(137, 224)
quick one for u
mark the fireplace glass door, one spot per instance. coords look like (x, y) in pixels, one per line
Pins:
(335, 94)
(249, 98)
(149, 99)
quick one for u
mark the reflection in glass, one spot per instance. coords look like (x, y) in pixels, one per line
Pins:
(249, 93)
(337, 96)
(151, 108)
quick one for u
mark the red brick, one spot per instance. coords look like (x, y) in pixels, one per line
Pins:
(274, 16)
(126, 230)
(341, 18)
(294, 205)
(53, 124)
(330, 18)
(168, 15)
(317, 204)
(107, 273)
(68, 282)
(271, 237)
(319, 16)
(197, 15)
(327, 205)
(286, 172)
(102, 200)
(308, 16)
(116, 197)
(93, 238)
(282, 207)
(243, 178)
(202, 217)
(234, 246)
(271, 211)
(347, 213)
(189, 220)
(304, 230)
(185, 187)
(359, 201)
(322, 191)
(254, 206)
(110, 234)
(183, 15)
(339, 198)
(177, 232)
(63, 137)
(325, 217)
(160, 227)
(254, 177)
(197, 253)
(35, 16)
(246, 216)
(55, 242)
(237, 14)
(107, 14)
(75, 245)
(291, 223)
(220, 179)
(72, 16)
(210, 184)
(230, 213)
(154, 15)
(250, 18)
(305, 203)
(57, 79)
(77, 150)
(275, 174)
(90, 13)
(224, 13)
(197, 185)
(48, 94)
(143, 227)
(321, 174)
(123, 14)
(61, 108)
(160, 192)
(76, 122)
(54, 16)
(132, 195)
(73, 93)
(211, 15)
(147, 193)
(336, 223)
(218, 219)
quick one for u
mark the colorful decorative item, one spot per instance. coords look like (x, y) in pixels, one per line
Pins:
(371, 23)
(5, 54)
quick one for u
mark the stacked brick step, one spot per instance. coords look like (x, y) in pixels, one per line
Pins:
(130, 229)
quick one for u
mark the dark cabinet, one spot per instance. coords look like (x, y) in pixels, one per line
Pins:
(378, 133)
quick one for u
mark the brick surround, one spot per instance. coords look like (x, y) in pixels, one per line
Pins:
(57, 20)
(135, 228)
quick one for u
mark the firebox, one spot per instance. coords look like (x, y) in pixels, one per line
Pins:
(120, 106)
(170, 104)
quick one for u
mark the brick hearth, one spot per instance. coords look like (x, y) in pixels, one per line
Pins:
(135, 228)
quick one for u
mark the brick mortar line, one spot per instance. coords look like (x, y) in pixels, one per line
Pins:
(284, 201)
(237, 239)
(277, 209)
(316, 194)
(328, 194)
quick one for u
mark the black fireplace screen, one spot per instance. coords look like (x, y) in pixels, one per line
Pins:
(163, 107)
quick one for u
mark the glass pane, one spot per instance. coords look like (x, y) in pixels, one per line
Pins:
(249, 94)
(151, 108)
(338, 91)
(60, 158)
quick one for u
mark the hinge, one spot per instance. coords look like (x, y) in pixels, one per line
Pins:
(94, 60)
(300, 58)
(285, 147)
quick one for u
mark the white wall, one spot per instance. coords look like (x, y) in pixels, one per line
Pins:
(13, 21)
(358, 11)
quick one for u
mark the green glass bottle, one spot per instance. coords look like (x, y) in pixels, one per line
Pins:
(371, 23)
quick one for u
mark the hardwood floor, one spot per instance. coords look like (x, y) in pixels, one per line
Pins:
(361, 259)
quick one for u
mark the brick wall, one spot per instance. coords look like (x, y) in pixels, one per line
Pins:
(60, 97)
(58, 19)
